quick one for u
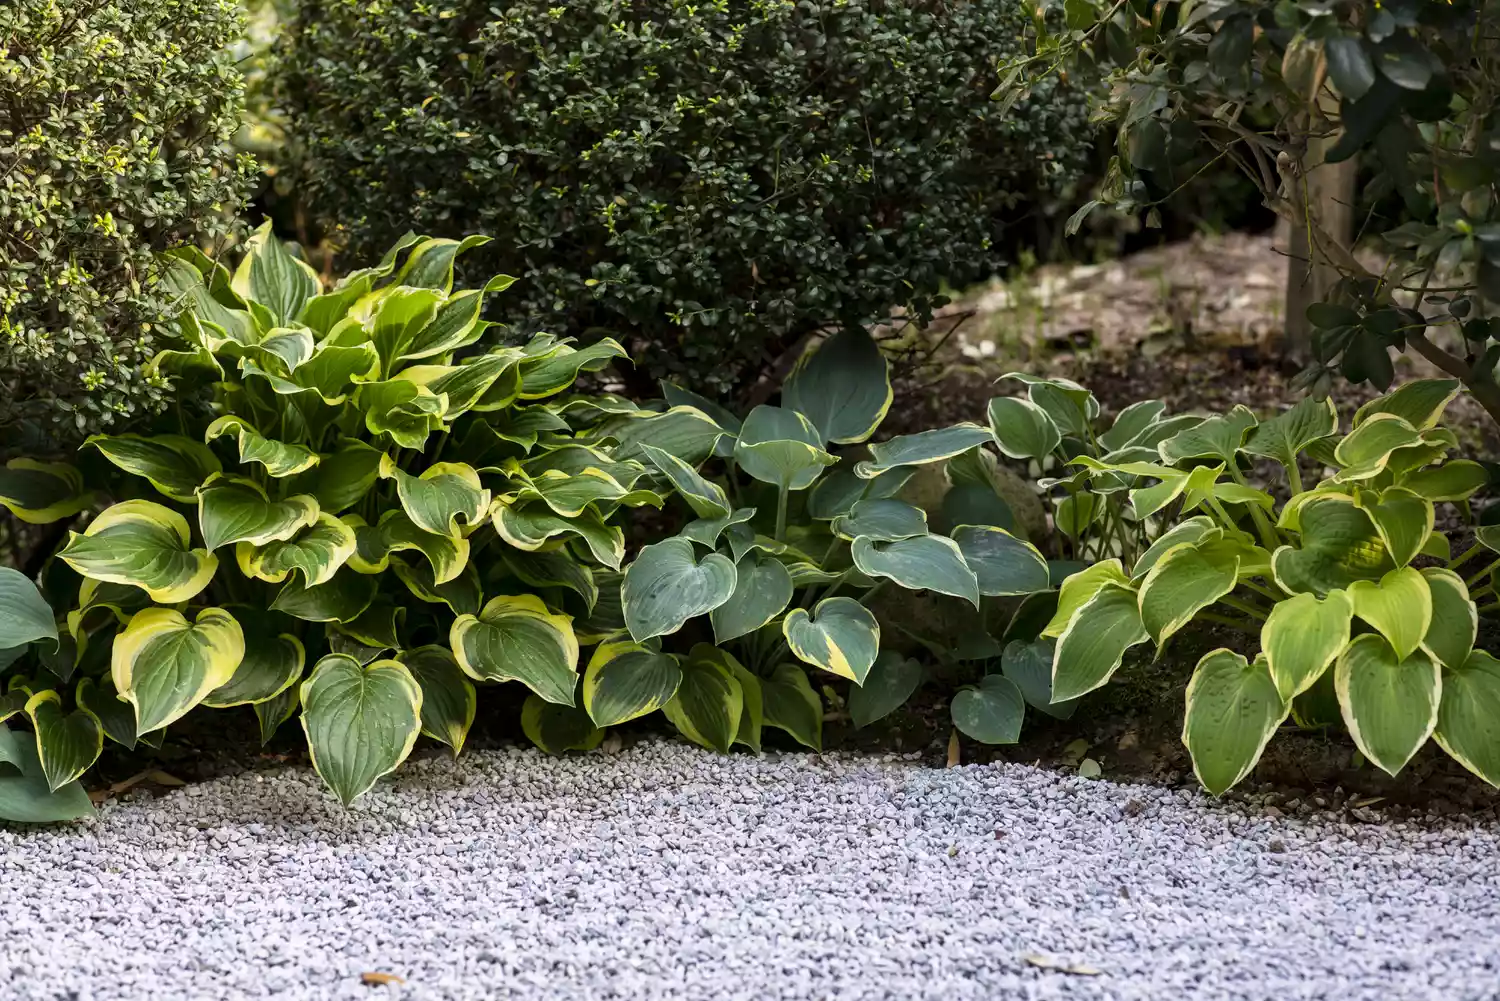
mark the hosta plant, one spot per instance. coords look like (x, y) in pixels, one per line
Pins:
(1361, 615)
(363, 514)
(792, 525)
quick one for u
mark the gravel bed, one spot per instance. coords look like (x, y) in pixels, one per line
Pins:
(667, 872)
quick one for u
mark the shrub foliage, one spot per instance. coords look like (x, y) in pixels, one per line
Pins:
(113, 147)
(710, 180)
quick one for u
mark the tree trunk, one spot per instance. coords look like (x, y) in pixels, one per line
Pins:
(1328, 189)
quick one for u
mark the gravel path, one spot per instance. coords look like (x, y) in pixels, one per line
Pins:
(666, 872)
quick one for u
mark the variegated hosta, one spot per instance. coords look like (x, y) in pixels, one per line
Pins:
(361, 507)
(1358, 618)
(785, 543)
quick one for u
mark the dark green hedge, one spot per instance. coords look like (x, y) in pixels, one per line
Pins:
(707, 180)
(115, 117)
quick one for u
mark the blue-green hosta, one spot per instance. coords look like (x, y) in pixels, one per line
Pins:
(726, 627)
(1354, 595)
(360, 509)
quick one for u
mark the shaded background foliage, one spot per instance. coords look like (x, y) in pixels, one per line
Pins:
(115, 121)
(710, 181)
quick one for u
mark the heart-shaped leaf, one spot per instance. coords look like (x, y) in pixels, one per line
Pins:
(1233, 708)
(1181, 584)
(1402, 518)
(922, 448)
(762, 589)
(176, 466)
(626, 680)
(1452, 481)
(1399, 607)
(1468, 725)
(1002, 563)
(554, 568)
(791, 705)
(840, 636)
(1389, 702)
(532, 526)
(1302, 636)
(360, 721)
(116, 716)
(342, 599)
(1079, 589)
(517, 638)
(1284, 436)
(25, 797)
(1455, 621)
(781, 447)
(40, 493)
(558, 729)
(448, 697)
(318, 551)
(1420, 402)
(1132, 422)
(1364, 452)
(1216, 438)
(881, 520)
(373, 545)
(271, 664)
(843, 386)
(686, 432)
(1090, 649)
(279, 458)
(145, 544)
(927, 562)
(666, 586)
(1339, 545)
(1192, 531)
(889, 684)
(1022, 429)
(990, 712)
(165, 665)
(67, 743)
(1029, 665)
(707, 706)
(446, 499)
(232, 509)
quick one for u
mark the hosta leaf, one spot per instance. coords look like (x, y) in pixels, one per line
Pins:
(1339, 545)
(709, 702)
(318, 551)
(231, 509)
(706, 531)
(1002, 563)
(1181, 584)
(531, 526)
(334, 370)
(557, 728)
(790, 705)
(400, 316)
(686, 432)
(165, 665)
(1233, 708)
(781, 447)
(516, 638)
(1216, 438)
(361, 722)
(891, 681)
(676, 396)
(558, 370)
(342, 599)
(24, 795)
(554, 568)
(1364, 452)
(1284, 436)
(990, 712)
(174, 465)
(1076, 513)
(276, 711)
(1420, 402)
(342, 478)
(1468, 725)
(1399, 607)
(1079, 588)
(145, 544)
(1455, 621)
(446, 499)
(1022, 429)
(25, 616)
(405, 411)
(843, 387)
(1029, 665)
(840, 636)
(1389, 703)
(928, 562)
(882, 520)
(1452, 481)
(921, 448)
(1131, 423)
(446, 555)
(1193, 530)
(116, 716)
(666, 586)
(279, 458)
(271, 664)
(837, 491)
(374, 628)
(762, 589)
(488, 382)
(1090, 649)
(706, 498)
(430, 263)
(626, 680)
(448, 697)
(570, 495)
(269, 275)
(1402, 519)
(40, 493)
(1302, 636)
(67, 743)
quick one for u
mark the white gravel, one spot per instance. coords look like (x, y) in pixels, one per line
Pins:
(666, 872)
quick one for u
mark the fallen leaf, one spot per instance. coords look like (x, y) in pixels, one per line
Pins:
(1059, 966)
(379, 979)
(165, 779)
(1089, 768)
(953, 748)
(1076, 750)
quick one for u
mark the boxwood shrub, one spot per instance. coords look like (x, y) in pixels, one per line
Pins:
(707, 180)
(113, 146)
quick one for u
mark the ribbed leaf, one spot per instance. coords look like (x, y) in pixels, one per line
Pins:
(840, 636)
(516, 638)
(145, 544)
(361, 722)
(627, 680)
(165, 665)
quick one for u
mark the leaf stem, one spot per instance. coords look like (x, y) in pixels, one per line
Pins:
(781, 499)
(1471, 581)
(1224, 620)
(1466, 555)
(1239, 605)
